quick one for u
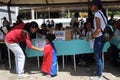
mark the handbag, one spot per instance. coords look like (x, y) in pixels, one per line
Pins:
(108, 32)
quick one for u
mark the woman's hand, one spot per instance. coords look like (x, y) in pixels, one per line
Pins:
(88, 39)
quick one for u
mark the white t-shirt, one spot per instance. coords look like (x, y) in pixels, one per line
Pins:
(102, 23)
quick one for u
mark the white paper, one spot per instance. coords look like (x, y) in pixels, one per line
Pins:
(60, 35)
(40, 43)
(92, 43)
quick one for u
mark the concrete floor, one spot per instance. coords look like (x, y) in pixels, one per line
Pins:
(83, 73)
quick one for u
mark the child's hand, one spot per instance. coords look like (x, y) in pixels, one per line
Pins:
(41, 49)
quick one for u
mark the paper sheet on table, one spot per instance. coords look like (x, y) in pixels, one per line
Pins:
(40, 43)
(92, 44)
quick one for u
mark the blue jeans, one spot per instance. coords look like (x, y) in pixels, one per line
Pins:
(98, 46)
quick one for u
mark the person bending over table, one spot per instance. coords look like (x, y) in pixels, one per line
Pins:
(16, 35)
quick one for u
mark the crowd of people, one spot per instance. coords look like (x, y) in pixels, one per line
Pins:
(24, 32)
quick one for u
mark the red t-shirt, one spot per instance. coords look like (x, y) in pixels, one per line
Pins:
(15, 35)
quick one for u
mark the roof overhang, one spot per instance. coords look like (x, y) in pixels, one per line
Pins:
(67, 4)
(53, 2)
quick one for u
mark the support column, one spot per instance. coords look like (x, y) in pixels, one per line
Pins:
(48, 12)
(17, 11)
(33, 13)
(107, 11)
(9, 14)
(36, 12)
(68, 13)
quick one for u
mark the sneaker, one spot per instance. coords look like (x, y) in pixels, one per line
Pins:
(96, 78)
(23, 76)
(48, 75)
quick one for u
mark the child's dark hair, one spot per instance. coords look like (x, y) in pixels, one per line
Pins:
(76, 14)
(50, 37)
(40, 31)
(33, 24)
(43, 25)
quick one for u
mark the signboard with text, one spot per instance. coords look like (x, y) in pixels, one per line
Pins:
(60, 35)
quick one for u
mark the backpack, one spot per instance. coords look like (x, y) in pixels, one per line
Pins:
(108, 32)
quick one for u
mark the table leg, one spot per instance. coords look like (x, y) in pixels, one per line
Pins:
(38, 62)
(57, 67)
(63, 62)
(74, 63)
(0, 56)
(9, 58)
(103, 60)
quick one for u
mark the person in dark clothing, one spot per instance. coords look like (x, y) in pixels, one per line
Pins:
(19, 19)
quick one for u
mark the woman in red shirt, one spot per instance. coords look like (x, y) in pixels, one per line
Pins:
(20, 33)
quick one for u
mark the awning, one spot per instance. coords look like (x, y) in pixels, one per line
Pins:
(53, 2)
(67, 4)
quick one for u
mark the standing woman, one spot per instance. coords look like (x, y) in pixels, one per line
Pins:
(16, 35)
(74, 22)
(99, 24)
(49, 64)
